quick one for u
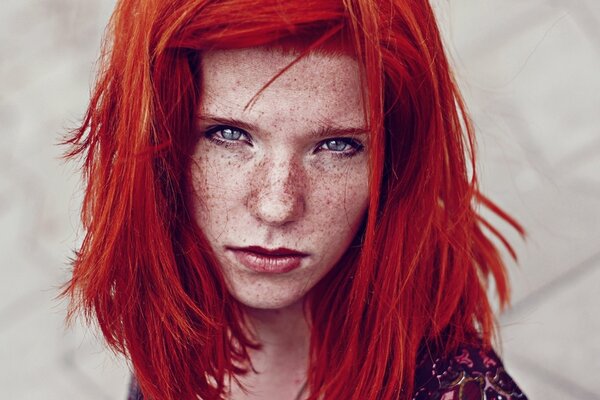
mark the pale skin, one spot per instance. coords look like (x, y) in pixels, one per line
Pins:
(288, 171)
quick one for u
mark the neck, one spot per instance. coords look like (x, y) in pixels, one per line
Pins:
(281, 362)
(280, 328)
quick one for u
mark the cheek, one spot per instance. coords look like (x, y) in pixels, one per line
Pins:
(218, 181)
(340, 200)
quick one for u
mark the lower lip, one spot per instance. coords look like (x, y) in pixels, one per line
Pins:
(268, 264)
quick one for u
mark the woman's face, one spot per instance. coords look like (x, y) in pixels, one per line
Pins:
(281, 185)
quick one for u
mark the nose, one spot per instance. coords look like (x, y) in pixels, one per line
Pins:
(277, 196)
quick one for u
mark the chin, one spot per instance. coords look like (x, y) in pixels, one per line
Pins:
(268, 300)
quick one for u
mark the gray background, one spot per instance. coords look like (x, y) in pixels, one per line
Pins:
(529, 70)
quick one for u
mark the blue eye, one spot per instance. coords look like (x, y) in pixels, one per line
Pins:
(336, 145)
(227, 134)
(344, 146)
(231, 133)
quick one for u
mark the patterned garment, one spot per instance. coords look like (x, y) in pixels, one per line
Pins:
(471, 374)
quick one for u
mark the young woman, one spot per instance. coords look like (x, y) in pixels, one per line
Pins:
(281, 204)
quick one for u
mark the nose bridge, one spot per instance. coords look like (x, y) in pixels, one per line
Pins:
(278, 194)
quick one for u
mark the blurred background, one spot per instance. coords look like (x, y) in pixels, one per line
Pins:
(530, 72)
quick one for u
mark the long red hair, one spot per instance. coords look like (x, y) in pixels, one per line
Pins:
(418, 275)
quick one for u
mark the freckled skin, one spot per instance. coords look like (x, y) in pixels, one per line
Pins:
(281, 188)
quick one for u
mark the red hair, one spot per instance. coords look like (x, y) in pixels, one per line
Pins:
(417, 278)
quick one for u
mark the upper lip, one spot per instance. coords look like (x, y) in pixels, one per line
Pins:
(278, 252)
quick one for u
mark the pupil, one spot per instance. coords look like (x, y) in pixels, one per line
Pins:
(336, 145)
(231, 134)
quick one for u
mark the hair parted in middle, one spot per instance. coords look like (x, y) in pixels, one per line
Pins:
(415, 277)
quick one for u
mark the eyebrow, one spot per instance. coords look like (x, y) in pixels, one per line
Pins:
(212, 119)
(321, 132)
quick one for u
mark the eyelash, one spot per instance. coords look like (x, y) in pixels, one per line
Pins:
(212, 131)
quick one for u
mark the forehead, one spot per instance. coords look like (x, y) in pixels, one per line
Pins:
(319, 86)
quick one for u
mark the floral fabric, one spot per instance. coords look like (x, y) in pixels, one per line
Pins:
(470, 374)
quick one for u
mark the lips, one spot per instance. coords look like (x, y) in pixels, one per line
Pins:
(272, 261)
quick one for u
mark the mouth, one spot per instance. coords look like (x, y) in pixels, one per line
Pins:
(271, 261)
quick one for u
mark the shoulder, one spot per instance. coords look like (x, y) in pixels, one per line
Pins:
(470, 373)
(134, 390)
